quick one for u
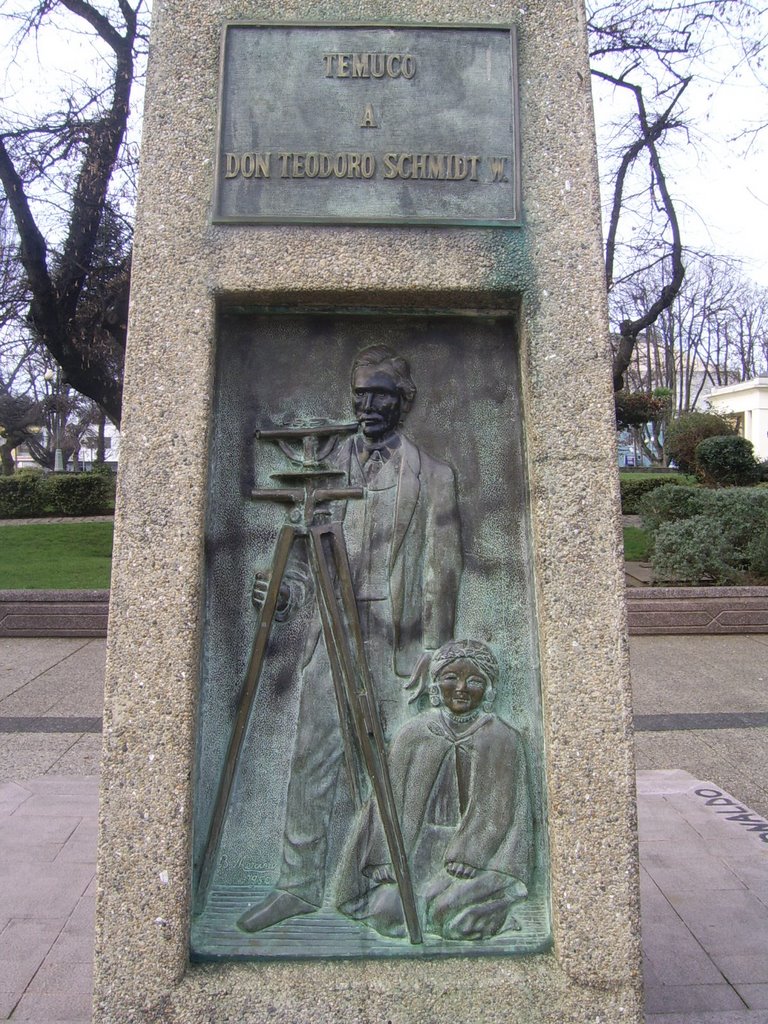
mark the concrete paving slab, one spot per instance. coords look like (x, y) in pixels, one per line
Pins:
(722, 859)
(683, 998)
(22, 660)
(703, 925)
(59, 1006)
(29, 828)
(682, 864)
(25, 894)
(79, 1020)
(83, 757)
(752, 871)
(670, 674)
(735, 758)
(63, 784)
(11, 796)
(25, 756)
(744, 970)
(72, 978)
(658, 822)
(55, 804)
(24, 944)
(729, 922)
(8, 1000)
(716, 815)
(755, 996)
(70, 671)
(744, 1016)
(661, 783)
(63, 691)
(674, 955)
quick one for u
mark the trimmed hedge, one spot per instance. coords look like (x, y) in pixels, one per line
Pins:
(21, 496)
(32, 495)
(728, 461)
(700, 535)
(79, 494)
(682, 436)
(693, 551)
(633, 490)
(669, 504)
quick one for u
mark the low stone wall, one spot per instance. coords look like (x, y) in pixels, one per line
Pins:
(652, 610)
(53, 612)
(686, 610)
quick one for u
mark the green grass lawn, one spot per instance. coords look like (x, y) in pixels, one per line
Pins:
(635, 544)
(56, 556)
(78, 556)
(684, 478)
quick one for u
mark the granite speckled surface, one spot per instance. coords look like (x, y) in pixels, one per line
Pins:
(551, 271)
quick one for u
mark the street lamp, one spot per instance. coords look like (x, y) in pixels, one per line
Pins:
(58, 459)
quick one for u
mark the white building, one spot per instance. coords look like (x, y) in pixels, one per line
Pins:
(86, 457)
(748, 402)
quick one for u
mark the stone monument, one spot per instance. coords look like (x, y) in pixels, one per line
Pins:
(367, 703)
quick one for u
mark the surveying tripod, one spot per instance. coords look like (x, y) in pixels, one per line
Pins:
(309, 489)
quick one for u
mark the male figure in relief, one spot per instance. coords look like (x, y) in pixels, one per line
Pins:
(405, 553)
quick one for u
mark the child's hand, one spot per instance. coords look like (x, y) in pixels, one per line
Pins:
(459, 870)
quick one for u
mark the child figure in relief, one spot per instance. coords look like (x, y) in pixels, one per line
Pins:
(461, 788)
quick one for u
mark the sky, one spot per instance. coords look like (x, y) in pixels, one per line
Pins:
(725, 182)
(718, 172)
(719, 180)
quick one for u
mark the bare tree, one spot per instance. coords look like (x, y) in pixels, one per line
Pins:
(67, 174)
(746, 331)
(715, 332)
(60, 176)
(20, 418)
(646, 56)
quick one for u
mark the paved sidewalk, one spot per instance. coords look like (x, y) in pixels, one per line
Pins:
(50, 744)
(47, 895)
(700, 702)
(57, 519)
(704, 900)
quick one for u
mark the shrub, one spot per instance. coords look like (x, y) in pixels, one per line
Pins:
(699, 533)
(21, 495)
(741, 513)
(757, 554)
(670, 504)
(634, 489)
(636, 408)
(728, 461)
(79, 494)
(691, 550)
(685, 433)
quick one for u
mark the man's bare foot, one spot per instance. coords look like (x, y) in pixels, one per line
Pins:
(277, 907)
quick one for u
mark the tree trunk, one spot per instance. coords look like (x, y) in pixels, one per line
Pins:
(6, 460)
(101, 442)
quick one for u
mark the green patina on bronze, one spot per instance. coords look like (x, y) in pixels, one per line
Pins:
(368, 124)
(333, 816)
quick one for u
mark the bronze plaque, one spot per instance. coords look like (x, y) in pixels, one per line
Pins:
(370, 747)
(368, 124)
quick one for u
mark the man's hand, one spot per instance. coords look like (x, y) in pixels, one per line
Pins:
(419, 681)
(259, 595)
(382, 873)
(459, 870)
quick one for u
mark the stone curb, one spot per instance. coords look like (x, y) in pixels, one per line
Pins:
(691, 610)
(650, 611)
(54, 613)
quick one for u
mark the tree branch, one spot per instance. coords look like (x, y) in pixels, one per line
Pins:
(34, 251)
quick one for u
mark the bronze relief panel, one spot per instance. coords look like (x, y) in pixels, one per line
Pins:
(369, 777)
